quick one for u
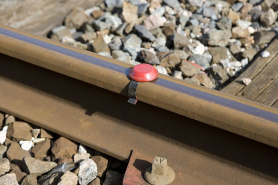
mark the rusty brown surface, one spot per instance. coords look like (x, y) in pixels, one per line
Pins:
(103, 120)
(39, 16)
(246, 125)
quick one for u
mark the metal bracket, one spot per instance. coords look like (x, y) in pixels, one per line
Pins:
(132, 92)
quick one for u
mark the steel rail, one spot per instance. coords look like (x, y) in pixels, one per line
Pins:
(65, 90)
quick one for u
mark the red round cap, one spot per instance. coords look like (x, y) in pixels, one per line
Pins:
(143, 73)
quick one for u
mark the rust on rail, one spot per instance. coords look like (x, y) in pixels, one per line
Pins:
(83, 96)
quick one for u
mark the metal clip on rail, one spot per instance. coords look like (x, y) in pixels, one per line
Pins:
(140, 73)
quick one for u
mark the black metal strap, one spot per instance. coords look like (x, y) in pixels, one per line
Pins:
(132, 92)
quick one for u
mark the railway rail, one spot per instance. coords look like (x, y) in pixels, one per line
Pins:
(208, 137)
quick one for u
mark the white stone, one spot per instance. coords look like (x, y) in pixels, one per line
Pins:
(178, 75)
(200, 49)
(251, 30)
(235, 64)
(37, 140)
(170, 11)
(107, 39)
(243, 24)
(159, 41)
(161, 70)
(225, 63)
(82, 149)
(3, 134)
(244, 62)
(265, 54)
(246, 81)
(67, 40)
(56, 29)
(26, 145)
(87, 171)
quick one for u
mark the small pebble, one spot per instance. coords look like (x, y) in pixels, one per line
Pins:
(26, 145)
(246, 81)
(265, 54)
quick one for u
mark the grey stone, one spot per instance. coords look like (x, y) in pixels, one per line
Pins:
(69, 178)
(188, 69)
(173, 3)
(212, 24)
(50, 178)
(161, 70)
(194, 22)
(177, 74)
(115, 21)
(183, 20)
(3, 150)
(219, 37)
(180, 41)
(192, 81)
(207, 57)
(8, 179)
(120, 30)
(87, 171)
(220, 53)
(143, 33)
(106, 54)
(254, 2)
(197, 3)
(235, 48)
(218, 74)
(132, 40)
(255, 25)
(237, 6)
(209, 12)
(263, 37)
(37, 167)
(117, 53)
(182, 55)
(4, 166)
(99, 45)
(161, 48)
(76, 18)
(124, 58)
(102, 25)
(256, 14)
(59, 32)
(159, 41)
(224, 23)
(169, 28)
(113, 3)
(157, 32)
(149, 57)
(268, 18)
(169, 60)
(142, 9)
(113, 178)
(243, 24)
(132, 52)
(116, 44)
(29, 180)
(203, 79)
(200, 60)
(102, 164)
(249, 53)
